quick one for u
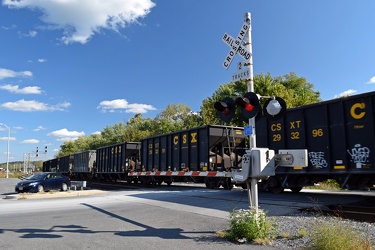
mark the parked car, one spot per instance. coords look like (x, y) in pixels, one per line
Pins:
(43, 181)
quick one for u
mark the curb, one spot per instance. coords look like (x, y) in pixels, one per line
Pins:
(12, 196)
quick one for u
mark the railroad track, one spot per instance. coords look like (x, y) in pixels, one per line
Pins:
(358, 213)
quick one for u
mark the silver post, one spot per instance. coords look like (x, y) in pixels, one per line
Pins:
(8, 128)
(253, 193)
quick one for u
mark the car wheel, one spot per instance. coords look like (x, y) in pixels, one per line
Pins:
(64, 187)
(40, 188)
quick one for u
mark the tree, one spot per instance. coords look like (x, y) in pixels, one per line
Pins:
(176, 117)
(296, 91)
(67, 148)
(137, 128)
(113, 134)
(299, 91)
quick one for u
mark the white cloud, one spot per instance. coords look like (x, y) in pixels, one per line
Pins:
(42, 60)
(348, 92)
(27, 90)
(31, 106)
(80, 19)
(39, 128)
(7, 73)
(65, 135)
(32, 33)
(372, 80)
(123, 105)
(8, 27)
(30, 141)
(6, 138)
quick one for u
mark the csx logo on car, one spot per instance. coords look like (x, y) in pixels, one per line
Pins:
(357, 110)
(184, 139)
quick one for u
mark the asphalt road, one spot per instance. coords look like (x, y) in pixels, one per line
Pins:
(165, 218)
(135, 219)
(7, 186)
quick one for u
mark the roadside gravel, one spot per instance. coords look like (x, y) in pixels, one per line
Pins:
(289, 228)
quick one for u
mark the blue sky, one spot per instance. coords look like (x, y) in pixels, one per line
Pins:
(70, 68)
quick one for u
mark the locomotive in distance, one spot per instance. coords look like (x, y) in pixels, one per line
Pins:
(339, 135)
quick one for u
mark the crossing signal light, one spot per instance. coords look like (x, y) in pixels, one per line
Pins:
(274, 108)
(249, 105)
(225, 109)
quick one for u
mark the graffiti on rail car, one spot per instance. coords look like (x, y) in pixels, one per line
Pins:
(359, 155)
(317, 159)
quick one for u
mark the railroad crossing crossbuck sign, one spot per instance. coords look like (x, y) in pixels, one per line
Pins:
(235, 45)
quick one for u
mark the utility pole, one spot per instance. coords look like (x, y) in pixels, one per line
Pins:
(7, 176)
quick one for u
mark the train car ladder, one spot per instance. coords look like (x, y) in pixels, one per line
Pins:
(231, 143)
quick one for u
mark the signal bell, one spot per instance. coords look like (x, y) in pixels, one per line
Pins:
(274, 108)
(249, 105)
(225, 109)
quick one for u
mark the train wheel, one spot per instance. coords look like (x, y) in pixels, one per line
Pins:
(296, 189)
(210, 183)
(274, 186)
(227, 184)
(276, 189)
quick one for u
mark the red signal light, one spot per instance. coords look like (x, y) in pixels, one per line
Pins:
(222, 107)
(225, 109)
(249, 105)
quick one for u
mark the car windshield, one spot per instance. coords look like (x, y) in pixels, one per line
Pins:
(36, 176)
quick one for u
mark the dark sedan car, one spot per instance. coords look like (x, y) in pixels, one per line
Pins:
(43, 181)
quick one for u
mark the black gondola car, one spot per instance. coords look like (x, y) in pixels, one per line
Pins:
(204, 155)
(65, 165)
(339, 136)
(83, 164)
(114, 162)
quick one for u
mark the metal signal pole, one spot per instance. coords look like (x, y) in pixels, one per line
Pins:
(252, 185)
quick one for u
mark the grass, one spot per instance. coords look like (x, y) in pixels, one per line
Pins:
(338, 236)
(326, 234)
(12, 174)
(300, 234)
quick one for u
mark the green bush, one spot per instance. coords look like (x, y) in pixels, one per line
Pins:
(251, 225)
(329, 184)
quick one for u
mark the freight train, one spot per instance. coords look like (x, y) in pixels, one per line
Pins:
(204, 154)
(339, 135)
